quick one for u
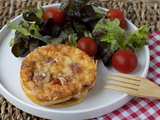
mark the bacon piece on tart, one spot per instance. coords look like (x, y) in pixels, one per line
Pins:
(57, 75)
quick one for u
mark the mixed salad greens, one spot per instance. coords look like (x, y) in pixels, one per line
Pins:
(82, 20)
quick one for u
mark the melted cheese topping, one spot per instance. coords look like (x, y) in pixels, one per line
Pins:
(57, 73)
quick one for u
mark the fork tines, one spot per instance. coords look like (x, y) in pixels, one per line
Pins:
(127, 83)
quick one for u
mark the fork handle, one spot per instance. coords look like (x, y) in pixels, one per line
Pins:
(154, 93)
(151, 91)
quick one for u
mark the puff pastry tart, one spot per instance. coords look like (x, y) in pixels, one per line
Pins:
(57, 75)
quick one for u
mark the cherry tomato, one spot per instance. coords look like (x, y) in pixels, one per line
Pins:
(124, 61)
(88, 45)
(57, 14)
(114, 13)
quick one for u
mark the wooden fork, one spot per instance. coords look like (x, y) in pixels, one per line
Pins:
(134, 85)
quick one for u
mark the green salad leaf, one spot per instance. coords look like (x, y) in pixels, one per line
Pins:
(107, 31)
(12, 41)
(72, 40)
(99, 12)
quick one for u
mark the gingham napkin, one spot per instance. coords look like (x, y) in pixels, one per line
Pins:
(141, 108)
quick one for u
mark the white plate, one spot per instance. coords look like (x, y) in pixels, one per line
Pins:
(99, 101)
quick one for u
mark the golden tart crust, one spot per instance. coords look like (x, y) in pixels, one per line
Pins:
(57, 75)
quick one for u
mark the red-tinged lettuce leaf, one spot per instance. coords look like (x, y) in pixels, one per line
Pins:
(91, 12)
(83, 17)
(72, 8)
(24, 44)
(104, 53)
(87, 13)
(49, 27)
(33, 14)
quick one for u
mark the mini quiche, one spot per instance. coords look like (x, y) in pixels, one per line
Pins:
(57, 75)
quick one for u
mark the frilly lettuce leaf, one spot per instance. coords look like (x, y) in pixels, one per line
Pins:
(72, 40)
(73, 7)
(107, 31)
(133, 40)
(139, 37)
(28, 29)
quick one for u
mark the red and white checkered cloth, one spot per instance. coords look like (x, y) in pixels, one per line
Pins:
(142, 108)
